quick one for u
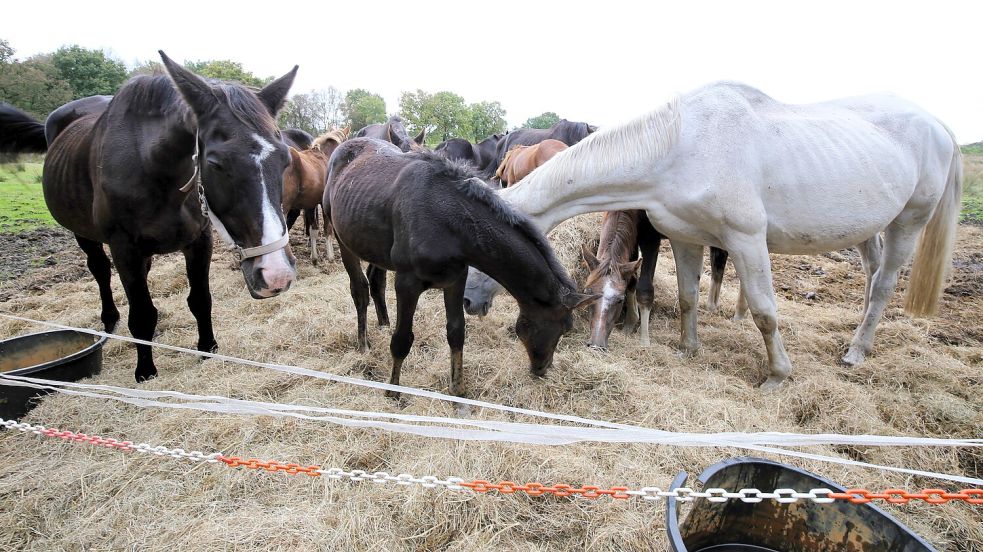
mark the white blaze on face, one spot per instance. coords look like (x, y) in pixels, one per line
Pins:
(275, 267)
(610, 296)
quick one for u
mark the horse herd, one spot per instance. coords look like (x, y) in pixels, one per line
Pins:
(154, 168)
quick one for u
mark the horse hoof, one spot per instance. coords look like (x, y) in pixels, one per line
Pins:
(772, 383)
(853, 357)
(146, 377)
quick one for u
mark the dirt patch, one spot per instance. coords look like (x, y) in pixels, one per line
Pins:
(35, 260)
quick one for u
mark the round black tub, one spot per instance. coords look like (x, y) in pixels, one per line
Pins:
(770, 526)
(62, 355)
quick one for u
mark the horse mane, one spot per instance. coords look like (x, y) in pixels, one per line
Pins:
(624, 236)
(505, 159)
(152, 95)
(613, 149)
(338, 135)
(245, 105)
(464, 178)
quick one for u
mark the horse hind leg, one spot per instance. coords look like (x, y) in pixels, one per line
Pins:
(377, 287)
(898, 245)
(648, 243)
(750, 256)
(328, 231)
(870, 258)
(311, 229)
(360, 293)
(718, 262)
(100, 267)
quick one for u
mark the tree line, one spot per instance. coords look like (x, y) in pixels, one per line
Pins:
(41, 83)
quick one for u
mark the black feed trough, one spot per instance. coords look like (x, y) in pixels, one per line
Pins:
(62, 355)
(770, 526)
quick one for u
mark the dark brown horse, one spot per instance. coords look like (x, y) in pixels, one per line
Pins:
(303, 185)
(394, 132)
(152, 171)
(625, 235)
(428, 218)
(522, 160)
(565, 131)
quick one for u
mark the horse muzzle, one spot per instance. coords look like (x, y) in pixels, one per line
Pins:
(268, 272)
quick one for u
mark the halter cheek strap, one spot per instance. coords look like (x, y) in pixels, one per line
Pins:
(242, 252)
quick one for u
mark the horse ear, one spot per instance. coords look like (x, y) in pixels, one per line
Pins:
(196, 92)
(274, 95)
(628, 269)
(589, 257)
(574, 300)
(421, 137)
(294, 155)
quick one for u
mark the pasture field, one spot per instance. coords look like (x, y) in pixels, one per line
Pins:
(923, 378)
(21, 202)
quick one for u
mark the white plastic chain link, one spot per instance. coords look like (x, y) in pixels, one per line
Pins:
(683, 494)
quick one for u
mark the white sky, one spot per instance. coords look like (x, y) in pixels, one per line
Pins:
(603, 62)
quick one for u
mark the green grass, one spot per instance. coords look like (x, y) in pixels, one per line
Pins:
(21, 201)
(972, 212)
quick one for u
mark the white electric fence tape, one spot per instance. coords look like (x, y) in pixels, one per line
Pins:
(471, 429)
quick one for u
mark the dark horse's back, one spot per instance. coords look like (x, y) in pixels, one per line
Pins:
(373, 187)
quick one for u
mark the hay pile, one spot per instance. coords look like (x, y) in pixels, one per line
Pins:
(924, 378)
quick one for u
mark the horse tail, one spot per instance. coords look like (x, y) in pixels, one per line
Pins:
(933, 255)
(19, 132)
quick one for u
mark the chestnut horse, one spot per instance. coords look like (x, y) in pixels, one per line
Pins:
(152, 171)
(428, 219)
(522, 160)
(303, 185)
(624, 236)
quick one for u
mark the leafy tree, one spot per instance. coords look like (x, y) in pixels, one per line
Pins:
(362, 108)
(89, 72)
(315, 112)
(444, 114)
(6, 52)
(149, 67)
(544, 120)
(227, 70)
(34, 85)
(487, 118)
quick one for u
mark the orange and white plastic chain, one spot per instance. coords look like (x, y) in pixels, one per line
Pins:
(684, 494)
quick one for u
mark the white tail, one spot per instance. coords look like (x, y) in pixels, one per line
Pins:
(933, 255)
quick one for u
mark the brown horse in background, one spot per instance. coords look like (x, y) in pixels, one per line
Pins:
(625, 234)
(522, 160)
(303, 185)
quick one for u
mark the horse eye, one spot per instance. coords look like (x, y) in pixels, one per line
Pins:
(213, 162)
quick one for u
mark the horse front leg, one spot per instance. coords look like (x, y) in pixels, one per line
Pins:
(99, 266)
(870, 258)
(133, 268)
(408, 290)
(311, 229)
(328, 231)
(750, 256)
(454, 308)
(360, 292)
(689, 265)
(197, 261)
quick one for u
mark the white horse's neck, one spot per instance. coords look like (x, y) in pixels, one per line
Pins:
(606, 171)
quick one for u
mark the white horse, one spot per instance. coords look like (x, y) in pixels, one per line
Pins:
(728, 166)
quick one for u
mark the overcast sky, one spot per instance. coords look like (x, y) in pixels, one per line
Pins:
(602, 63)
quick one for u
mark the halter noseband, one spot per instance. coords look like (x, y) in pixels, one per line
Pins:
(242, 252)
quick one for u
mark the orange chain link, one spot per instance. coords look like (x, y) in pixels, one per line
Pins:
(270, 466)
(900, 496)
(538, 489)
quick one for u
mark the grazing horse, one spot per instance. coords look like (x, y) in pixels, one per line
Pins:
(522, 160)
(428, 218)
(394, 132)
(303, 185)
(152, 171)
(730, 167)
(624, 236)
(565, 131)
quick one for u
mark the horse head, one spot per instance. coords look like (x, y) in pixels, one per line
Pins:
(241, 161)
(610, 281)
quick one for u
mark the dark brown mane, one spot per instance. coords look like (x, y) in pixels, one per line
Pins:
(151, 95)
(245, 106)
